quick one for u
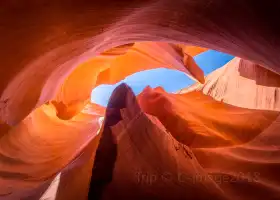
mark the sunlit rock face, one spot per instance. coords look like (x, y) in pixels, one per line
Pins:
(217, 139)
(242, 83)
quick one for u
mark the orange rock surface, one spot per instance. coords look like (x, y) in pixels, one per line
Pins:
(217, 139)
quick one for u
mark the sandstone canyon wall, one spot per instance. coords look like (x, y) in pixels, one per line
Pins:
(218, 139)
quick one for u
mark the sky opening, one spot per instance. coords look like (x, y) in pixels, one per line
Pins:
(170, 80)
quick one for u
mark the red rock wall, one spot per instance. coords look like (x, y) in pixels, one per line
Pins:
(54, 53)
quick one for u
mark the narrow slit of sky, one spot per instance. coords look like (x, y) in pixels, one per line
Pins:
(170, 80)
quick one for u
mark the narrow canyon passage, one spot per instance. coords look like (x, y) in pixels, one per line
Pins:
(216, 138)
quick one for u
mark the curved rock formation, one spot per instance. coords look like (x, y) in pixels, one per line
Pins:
(167, 151)
(54, 53)
(60, 37)
(242, 83)
(111, 68)
(159, 161)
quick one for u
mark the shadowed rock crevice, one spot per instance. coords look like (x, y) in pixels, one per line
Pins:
(106, 154)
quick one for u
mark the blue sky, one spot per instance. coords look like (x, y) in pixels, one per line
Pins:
(170, 80)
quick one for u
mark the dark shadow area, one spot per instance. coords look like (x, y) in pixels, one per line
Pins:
(4, 128)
